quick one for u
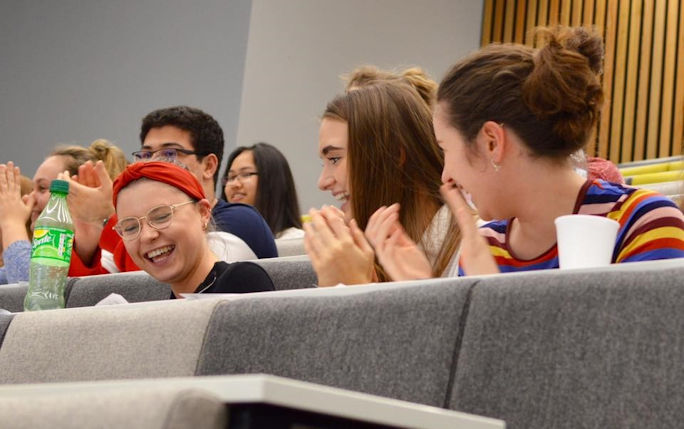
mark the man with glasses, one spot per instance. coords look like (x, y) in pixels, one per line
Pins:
(177, 134)
(195, 139)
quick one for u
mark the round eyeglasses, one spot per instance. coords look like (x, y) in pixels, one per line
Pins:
(169, 153)
(158, 218)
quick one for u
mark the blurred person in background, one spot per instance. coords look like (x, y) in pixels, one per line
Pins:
(259, 175)
(15, 211)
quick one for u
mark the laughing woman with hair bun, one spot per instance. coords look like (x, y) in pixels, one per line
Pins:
(508, 117)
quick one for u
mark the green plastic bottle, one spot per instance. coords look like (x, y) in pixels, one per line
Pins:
(53, 238)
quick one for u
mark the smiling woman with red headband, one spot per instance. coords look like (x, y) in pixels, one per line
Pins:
(162, 218)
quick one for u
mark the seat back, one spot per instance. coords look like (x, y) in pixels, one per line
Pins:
(397, 341)
(5, 320)
(110, 342)
(135, 286)
(601, 348)
(294, 272)
(149, 407)
(12, 296)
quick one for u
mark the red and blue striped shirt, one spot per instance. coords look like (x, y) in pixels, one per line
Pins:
(651, 227)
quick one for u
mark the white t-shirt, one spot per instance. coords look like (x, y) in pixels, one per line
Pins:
(290, 233)
(226, 246)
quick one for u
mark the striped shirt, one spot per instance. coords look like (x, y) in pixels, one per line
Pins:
(651, 227)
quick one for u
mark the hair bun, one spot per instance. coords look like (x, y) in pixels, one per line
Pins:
(587, 44)
(100, 148)
(421, 82)
(563, 86)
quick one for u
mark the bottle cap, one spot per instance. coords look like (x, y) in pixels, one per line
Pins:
(59, 186)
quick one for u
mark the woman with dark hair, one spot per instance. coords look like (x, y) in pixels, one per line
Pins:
(508, 117)
(260, 176)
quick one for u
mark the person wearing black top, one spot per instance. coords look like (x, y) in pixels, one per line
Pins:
(163, 217)
(238, 277)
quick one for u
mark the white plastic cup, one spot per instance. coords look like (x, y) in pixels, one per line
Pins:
(585, 241)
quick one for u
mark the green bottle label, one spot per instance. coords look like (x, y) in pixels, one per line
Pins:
(54, 244)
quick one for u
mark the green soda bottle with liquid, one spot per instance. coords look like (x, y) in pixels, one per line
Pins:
(53, 238)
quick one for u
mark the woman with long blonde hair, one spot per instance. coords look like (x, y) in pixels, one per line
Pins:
(378, 147)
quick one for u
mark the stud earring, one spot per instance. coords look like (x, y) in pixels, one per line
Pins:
(496, 166)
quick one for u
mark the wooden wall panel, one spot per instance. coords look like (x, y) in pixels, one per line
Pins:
(497, 30)
(656, 80)
(643, 71)
(678, 118)
(644, 81)
(565, 12)
(487, 16)
(531, 21)
(520, 13)
(629, 118)
(509, 21)
(576, 13)
(669, 77)
(619, 76)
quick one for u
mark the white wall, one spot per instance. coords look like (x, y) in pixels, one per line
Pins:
(72, 71)
(298, 49)
(76, 70)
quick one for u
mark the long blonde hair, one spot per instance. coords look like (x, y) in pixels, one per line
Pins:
(393, 157)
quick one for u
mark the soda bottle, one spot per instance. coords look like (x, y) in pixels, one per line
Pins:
(53, 237)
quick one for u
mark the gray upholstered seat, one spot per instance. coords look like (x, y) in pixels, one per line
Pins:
(160, 339)
(585, 349)
(135, 286)
(5, 320)
(152, 407)
(396, 342)
(12, 296)
(287, 273)
(293, 272)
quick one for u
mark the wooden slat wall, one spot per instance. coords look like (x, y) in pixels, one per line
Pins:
(643, 71)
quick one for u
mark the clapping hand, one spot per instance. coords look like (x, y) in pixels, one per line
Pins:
(475, 255)
(401, 258)
(339, 252)
(90, 204)
(14, 210)
(90, 193)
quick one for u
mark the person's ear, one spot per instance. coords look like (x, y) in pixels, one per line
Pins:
(209, 166)
(205, 211)
(494, 141)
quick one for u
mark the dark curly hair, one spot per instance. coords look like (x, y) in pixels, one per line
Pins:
(205, 132)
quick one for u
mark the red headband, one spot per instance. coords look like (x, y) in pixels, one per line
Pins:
(164, 172)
